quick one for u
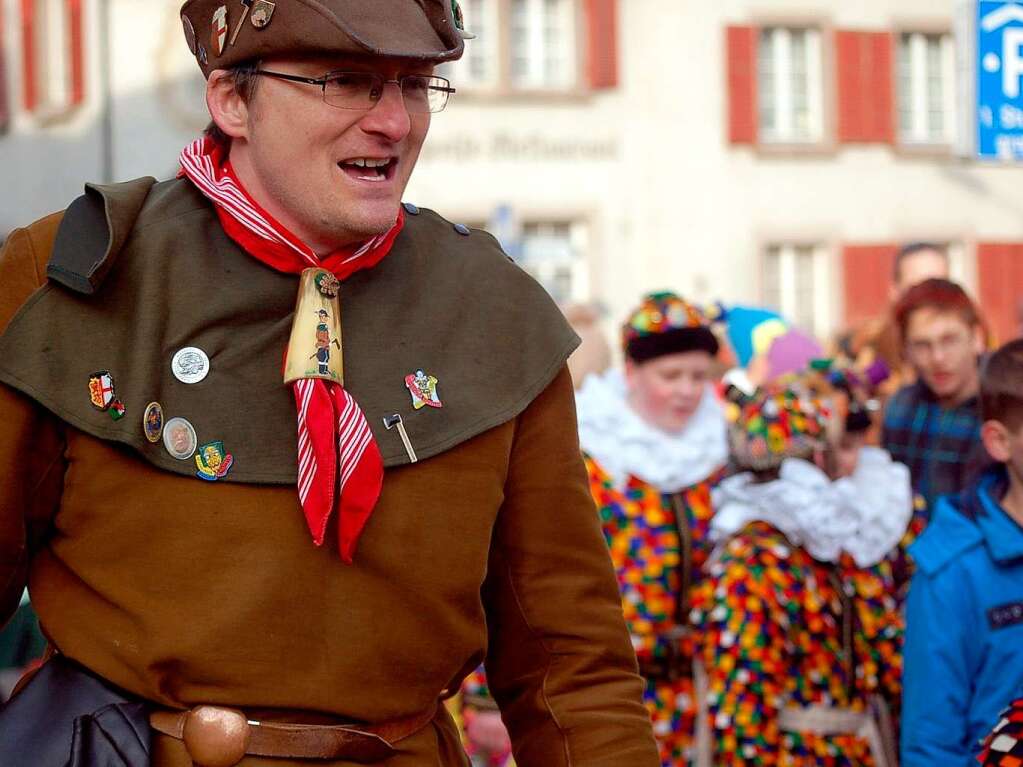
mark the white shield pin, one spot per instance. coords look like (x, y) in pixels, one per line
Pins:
(219, 35)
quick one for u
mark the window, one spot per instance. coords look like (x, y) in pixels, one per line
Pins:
(53, 56)
(5, 109)
(797, 284)
(789, 85)
(926, 77)
(553, 253)
(542, 44)
(526, 45)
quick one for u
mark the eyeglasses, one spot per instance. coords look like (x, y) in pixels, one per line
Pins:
(946, 345)
(362, 90)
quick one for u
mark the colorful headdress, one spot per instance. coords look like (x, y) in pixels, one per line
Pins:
(665, 323)
(784, 419)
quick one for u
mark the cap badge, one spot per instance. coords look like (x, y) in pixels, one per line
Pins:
(101, 390)
(202, 56)
(213, 462)
(179, 438)
(190, 365)
(423, 389)
(262, 13)
(219, 36)
(246, 5)
(152, 422)
(459, 17)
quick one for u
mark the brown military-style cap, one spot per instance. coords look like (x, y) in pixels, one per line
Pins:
(222, 33)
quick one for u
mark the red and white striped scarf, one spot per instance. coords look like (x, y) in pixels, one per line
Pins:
(338, 459)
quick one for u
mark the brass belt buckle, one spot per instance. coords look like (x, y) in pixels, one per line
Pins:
(216, 737)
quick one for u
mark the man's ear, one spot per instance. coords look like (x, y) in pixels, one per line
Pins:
(979, 345)
(995, 437)
(227, 108)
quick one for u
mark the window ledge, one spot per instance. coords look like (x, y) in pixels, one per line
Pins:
(924, 151)
(795, 149)
(51, 115)
(513, 96)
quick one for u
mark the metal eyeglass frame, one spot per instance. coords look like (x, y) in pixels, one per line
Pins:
(378, 83)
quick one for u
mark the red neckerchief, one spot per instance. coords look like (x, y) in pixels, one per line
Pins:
(337, 455)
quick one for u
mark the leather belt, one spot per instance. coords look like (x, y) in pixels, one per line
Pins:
(222, 737)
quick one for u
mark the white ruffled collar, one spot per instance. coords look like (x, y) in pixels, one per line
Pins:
(865, 514)
(625, 445)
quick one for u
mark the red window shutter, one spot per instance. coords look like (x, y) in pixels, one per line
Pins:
(29, 80)
(5, 109)
(602, 41)
(867, 274)
(865, 88)
(741, 68)
(1000, 277)
(76, 51)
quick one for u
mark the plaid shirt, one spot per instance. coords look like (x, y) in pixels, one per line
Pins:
(941, 446)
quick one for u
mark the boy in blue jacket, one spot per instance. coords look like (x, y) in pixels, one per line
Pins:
(964, 622)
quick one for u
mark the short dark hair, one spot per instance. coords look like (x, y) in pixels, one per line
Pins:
(1001, 386)
(941, 295)
(911, 249)
(244, 78)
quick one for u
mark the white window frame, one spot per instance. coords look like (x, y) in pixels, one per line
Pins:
(548, 271)
(537, 77)
(818, 318)
(913, 48)
(784, 130)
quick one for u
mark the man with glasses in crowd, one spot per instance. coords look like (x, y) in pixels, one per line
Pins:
(933, 424)
(243, 549)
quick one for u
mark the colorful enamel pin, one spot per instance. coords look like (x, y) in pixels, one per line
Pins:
(152, 422)
(213, 461)
(101, 390)
(327, 284)
(456, 12)
(117, 409)
(423, 389)
(262, 13)
(219, 33)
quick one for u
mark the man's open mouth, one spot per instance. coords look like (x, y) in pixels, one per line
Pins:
(369, 168)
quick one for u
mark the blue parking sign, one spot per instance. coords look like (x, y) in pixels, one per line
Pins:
(1000, 80)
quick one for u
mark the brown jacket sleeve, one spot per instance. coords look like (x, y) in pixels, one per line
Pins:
(560, 663)
(31, 443)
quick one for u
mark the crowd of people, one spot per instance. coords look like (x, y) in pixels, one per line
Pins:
(819, 550)
(254, 534)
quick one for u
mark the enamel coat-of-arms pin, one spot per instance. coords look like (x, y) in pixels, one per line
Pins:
(213, 461)
(423, 389)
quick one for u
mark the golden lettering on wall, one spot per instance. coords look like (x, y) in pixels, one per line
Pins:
(503, 145)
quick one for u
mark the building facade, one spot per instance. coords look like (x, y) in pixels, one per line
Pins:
(760, 151)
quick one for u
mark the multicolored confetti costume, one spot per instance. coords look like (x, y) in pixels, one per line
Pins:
(1004, 746)
(770, 620)
(654, 537)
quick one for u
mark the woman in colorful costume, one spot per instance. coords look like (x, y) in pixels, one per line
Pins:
(798, 618)
(655, 441)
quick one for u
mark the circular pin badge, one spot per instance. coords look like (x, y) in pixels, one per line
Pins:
(189, 34)
(190, 365)
(179, 438)
(152, 422)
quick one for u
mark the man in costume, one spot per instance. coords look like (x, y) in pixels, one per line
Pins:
(355, 557)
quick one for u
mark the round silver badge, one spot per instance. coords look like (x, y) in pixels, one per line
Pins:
(179, 438)
(190, 365)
